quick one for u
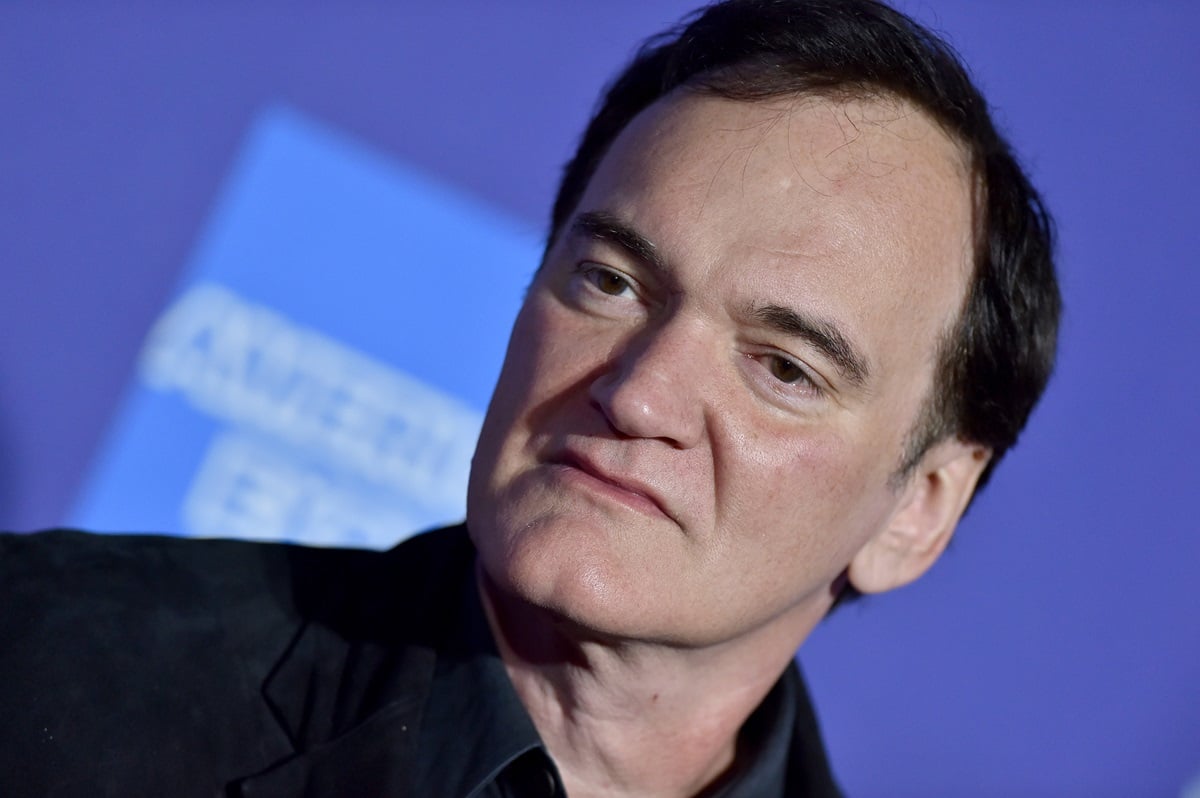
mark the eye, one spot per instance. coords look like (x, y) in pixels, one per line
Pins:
(786, 370)
(602, 291)
(786, 377)
(606, 280)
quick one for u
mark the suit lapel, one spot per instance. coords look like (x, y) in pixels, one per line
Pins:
(350, 690)
(352, 711)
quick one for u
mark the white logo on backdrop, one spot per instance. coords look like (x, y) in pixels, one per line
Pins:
(320, 443)
(1192, 788)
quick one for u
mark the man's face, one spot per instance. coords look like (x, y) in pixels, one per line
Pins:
(709, 386)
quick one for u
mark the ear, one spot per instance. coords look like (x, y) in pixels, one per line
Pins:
(932, 500)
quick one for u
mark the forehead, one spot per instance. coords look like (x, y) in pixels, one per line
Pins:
(858, 210)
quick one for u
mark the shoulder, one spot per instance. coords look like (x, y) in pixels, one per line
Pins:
(118, 644)
(63, 566)
(102, 573)
(66, 594)
(54, 581)
(53, 550)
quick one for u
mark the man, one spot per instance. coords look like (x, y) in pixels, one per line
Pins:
(796, 302)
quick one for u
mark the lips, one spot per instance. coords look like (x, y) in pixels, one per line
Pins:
(626, 489)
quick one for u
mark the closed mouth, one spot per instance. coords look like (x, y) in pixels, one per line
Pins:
(631, 492)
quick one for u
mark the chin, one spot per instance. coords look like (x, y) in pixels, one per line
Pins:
(575, 571)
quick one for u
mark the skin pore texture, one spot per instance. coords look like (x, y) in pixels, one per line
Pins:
(700, 416)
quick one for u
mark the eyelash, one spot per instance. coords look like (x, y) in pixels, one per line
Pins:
(594, 272)
(803, 377)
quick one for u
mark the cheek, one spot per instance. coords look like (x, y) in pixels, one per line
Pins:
(513, 393)
(818, 490)
(520, 361)
(546, 364)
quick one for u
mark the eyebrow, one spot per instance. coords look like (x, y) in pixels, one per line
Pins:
(823, 335)
(601, 226)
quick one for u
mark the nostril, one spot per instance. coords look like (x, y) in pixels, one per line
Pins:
(641, 401)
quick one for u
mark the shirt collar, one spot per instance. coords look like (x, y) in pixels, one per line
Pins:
(476, 738)
(764, 743)
(478, 741)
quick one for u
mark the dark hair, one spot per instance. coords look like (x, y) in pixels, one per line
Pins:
(995, 362)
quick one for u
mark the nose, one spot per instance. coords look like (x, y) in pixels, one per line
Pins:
(652, 387)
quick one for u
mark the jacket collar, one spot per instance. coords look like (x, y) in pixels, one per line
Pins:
(350, 689)
(393, 685)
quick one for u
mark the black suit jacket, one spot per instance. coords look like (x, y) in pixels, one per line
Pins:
(157, 666)
(134, 665)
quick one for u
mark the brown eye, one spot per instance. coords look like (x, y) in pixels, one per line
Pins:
(609, 282)
(785, 370)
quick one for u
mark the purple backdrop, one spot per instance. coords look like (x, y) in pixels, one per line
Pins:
(1055, 651)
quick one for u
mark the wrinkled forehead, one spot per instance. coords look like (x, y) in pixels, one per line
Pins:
(854, 177)
(880, 145)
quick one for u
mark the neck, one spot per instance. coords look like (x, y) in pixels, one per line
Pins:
(629, 718)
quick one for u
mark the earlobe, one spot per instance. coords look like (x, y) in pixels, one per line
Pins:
(933, 500)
